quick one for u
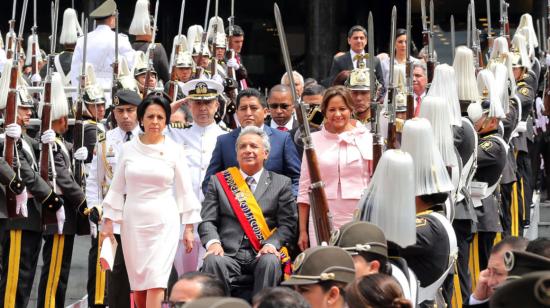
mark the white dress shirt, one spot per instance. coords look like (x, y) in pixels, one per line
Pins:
(288, 124)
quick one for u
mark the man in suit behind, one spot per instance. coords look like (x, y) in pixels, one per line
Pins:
(357, 40)
(281, 109)
(245, 226)
(251, 111)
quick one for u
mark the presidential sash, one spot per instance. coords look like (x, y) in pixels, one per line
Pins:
(249, 213)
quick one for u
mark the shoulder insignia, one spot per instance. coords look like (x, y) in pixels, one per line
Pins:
(524, 91)
(521, 84)
(180, 125)
(420, 222)
(101, 137)
(486, 145)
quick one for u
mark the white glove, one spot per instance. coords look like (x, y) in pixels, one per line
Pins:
(218, 78)
(60, 215)
(81, 154)
(21, 203)
(233, 63)
(48, 137)
(36, 78)
(93, 229)
(13, 130)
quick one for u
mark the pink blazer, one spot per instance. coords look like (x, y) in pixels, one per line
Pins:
(345, 162)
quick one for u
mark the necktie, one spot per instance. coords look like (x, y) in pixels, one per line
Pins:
(282, 128)
(251, 183)
(417, 109)
(128, 136)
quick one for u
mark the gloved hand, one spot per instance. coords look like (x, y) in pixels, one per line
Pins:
(48, 137)
(53, 203)
(36, 78)
(13, 130)
(21, 203)
(60, 215)
(16, 185)
(233, 63)
(81, 154)
(93, 229)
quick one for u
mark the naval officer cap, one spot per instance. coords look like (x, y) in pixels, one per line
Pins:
(202, 89)
(106, 9)
(126, 97)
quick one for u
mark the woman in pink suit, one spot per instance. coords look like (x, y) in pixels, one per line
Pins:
(344, 152)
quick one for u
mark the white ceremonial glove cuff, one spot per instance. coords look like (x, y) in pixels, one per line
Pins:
(13, 130)
(81, 154)
(21, 203)
(48, 137)
(60, 215)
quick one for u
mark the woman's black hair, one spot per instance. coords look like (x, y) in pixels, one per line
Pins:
(400, 32)
(158, 98)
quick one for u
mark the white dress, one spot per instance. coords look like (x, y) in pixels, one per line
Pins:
(150, 196)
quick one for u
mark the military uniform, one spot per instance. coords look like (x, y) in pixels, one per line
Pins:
(491, 159)
(508, 182)
(23, 236)
(62, 64)
(58, 248)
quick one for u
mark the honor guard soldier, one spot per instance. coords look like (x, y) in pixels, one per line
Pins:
(140, 73)
(59, 239)
(199, 141)
(99, 178)
(142, 27)
(526, 94)
(93, 113)
(23, 235)
(217, 42)
(235, 40)
(102, 55)
(183, 70)
(320, 274)
(199, 51)
(368, 247)
(359, 84)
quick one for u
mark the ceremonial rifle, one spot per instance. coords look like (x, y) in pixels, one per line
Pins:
(430, 64)
(78, 134)
(541, 48)
(453, 35)
(376, 143)
(409, 74)
(10, 150)
(425, 31)
(214, 60)
(151, 53)
(490, 37)
(322, 219)
(476, 47)
(173, 84)
(46, 153)
(469, 26)
(504, 24)
(115, 63)
(198, 68)
(34, 53)
(392, 134)
(11, 36)
(231, 87)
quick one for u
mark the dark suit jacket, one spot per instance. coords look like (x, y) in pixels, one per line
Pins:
(277, 203)
(6, 175)
(283, 158)
(343, 63)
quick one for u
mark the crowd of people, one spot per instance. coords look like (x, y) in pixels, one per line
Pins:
(210, 194)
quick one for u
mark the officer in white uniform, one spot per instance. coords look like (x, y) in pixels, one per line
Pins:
(101, 48)
(199, 141)
(99, 178)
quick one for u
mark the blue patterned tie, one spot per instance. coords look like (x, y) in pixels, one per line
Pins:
(251, 183)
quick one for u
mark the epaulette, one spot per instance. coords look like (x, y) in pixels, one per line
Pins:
(420, 222)
(180, 125)
(101, 136)
(486, 145)
(89, 121)
(524, 76)
(524, 91)
(521, 84)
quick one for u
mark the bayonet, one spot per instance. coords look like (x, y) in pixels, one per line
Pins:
(409, 74)
(198, 69)
(78, 135)
(392, 134)
(151, 51)
(319, 206)
(489, 30)
(541, 53)
(425, 32)
(504, 24)
(476, 47)
(181, 17)
(469, 27)
(453, 42)
(376, 144)
(431, 56)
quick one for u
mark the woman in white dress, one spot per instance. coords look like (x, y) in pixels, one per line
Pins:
(150, 196)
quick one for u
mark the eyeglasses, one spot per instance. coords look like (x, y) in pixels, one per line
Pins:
(277, 106)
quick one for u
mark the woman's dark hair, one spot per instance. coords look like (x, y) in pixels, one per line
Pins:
(376, 290)
(156, 98)
(341, 78)
(400, 32)
(337, 91)
(384, 264)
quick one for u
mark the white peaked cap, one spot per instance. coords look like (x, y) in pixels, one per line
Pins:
(430, 173)
(485, 82)
(5, 84)
(444, 86)
(435, 110)
(389, 200)
(526, 21)
(141, 23)
(60, 107)
(30, 41)
(465, 73)
(71, 29)
(194, 34)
